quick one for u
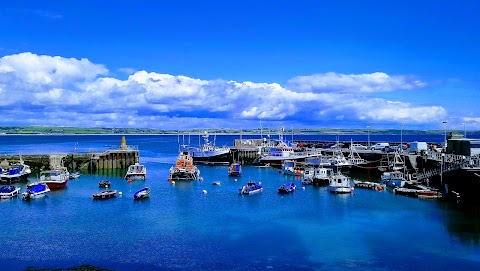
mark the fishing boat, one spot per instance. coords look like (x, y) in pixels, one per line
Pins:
(104, 184)
(184, 168)
(340, 184)
(235, 170)
(74, 175)
(393, 179)
(208, 153)
(321, 176)
(142, 194)
(289, 167)
(55, 178)
(15, 172)
(136, 172)
(251, 188)
(307, 181)
(36, 191)
(9, 191)
(287, 188)
(105, 194)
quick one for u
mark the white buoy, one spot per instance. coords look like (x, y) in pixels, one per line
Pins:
(303, 187)
(119, 193)
(235, 180)
(173, 182)
(204, 191)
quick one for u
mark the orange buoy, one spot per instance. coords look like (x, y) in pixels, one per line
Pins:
(129, 180)
(169, 179)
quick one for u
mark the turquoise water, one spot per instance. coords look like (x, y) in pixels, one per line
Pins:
(179, 228)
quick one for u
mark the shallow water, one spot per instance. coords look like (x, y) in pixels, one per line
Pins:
(179, 228)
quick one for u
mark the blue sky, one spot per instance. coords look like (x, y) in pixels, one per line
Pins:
(201, 64)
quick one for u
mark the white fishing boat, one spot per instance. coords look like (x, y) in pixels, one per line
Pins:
(136, 172)
(340, 184)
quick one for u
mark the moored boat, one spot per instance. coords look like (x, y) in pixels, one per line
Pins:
(289, 167)
(340, 184)
(104, 184)
(15, 172)
(184, 168)
(74, 175)
(287, 188)
(321, 176)
(38, 190)
(105, 194)
(9, 191)
(251, 188)
(56, 178)
(136, 172)
(235, 170)
(208, 153)
(142, 194)
(393, 179)
(216, 183)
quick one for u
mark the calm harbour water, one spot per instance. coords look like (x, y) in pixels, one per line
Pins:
(179, 228)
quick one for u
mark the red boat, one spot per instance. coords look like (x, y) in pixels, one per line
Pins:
(55, 179)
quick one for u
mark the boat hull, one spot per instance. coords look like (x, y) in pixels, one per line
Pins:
(105, 195)
(340, 190)
(223, 158)
(56, 185)
(14, 178)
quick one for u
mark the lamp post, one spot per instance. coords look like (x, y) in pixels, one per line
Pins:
(441, 169)
(368, 136)
(464, 131)
(445, 133)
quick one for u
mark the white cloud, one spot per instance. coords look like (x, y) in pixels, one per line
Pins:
(356, 83)
(127, 70)
(57, 91)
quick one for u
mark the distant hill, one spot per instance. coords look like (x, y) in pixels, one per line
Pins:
(40, 130)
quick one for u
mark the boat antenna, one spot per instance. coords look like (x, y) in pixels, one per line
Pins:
(261, 129)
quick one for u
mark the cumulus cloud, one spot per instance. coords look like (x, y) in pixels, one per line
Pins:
(58, 91)
(362, 83)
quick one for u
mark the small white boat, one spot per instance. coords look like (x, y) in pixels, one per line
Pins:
(38, 190)
(340, 184)
(9, 191)
(137, 172)
(216, 183)
(74, 175)
(251, 188)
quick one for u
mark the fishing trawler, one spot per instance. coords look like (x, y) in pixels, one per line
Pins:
(208, 153)
(184, 168)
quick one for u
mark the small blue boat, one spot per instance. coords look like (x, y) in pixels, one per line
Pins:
(250, 188)
(142, 194)
(38, 190)
(9, 191)
(104, 183)
(287, 188)
(235, 170)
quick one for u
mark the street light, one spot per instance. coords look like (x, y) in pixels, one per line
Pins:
(445, 131)
(368, 137)
(464, 131)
